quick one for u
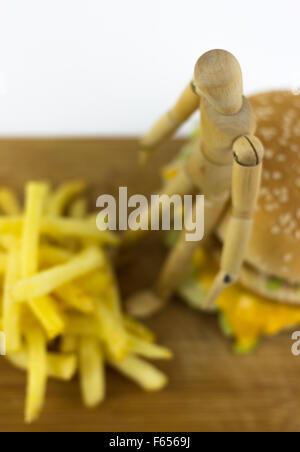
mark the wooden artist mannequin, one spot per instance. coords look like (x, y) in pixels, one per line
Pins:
(227, 160)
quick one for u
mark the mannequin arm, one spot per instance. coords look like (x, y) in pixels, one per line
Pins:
(247, 169)
(167, 125)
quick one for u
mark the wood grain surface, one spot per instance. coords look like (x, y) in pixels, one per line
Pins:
(210, 388)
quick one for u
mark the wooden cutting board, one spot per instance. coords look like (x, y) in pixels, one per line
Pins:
(210, 388)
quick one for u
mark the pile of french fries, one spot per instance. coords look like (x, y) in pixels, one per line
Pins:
(60, 305)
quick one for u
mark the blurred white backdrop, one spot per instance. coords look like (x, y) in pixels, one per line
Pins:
(91, 67)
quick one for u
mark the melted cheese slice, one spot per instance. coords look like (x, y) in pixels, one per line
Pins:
(246, 315)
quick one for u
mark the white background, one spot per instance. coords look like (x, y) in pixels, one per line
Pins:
(90, 67)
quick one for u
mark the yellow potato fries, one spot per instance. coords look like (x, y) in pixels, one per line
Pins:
(75, 297)
(91, 371)
(95, 283)
(59, 366)
(112, 331)
(47, 312)
(143, 373)
(35, 203)
(3, 263)
(9, 203)
(47, 281)
(51, 255)
(83, 325)
(11, 309)
(61, 227)
(37, 372)
(147, 350)
(138, 330)
(79, 208)
(68, 344)
(60, 199)
(61, 309)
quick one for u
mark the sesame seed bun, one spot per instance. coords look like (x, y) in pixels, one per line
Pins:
(274, 250)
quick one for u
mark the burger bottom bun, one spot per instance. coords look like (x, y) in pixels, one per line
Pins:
(262, 284)
(286, 293)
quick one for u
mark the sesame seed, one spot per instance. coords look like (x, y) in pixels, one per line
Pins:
(296, 129)
(277, 175)
(264, 112)
(290, 228)
(281, 158)
(276, 230)
(278, 99)
(268, 133)
(271, 207)
(284, 269)
(285, 219)
(269, 154)
(288, 258)
(264, 190)
(283, 142)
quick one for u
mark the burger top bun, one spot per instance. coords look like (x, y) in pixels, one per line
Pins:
(274, 250)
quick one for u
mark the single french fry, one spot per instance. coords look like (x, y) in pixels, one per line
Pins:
(3, 262)
(74, 297)
(79, 208)
(51, 255)
(47, 312)
(111, 297)
(95, 283)
(68, 344)
(83, 325)
(62, 227)
(7, 241)
(112, 330)
(138, 346)
(35, 202)
(37, 372)
(92, 218)
(77, 228)
(60, 199)
(143, 373)
(137, 329)
(11, 225)
(62, 367)
(91, 371)
(59, 366)
(43, 307)
(11, 309)
(47, 281)
(9, 203)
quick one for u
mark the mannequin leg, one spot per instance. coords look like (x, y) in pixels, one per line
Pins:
(180, 185)
(176, 266)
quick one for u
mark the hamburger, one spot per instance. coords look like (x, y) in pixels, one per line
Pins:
(266, 299)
